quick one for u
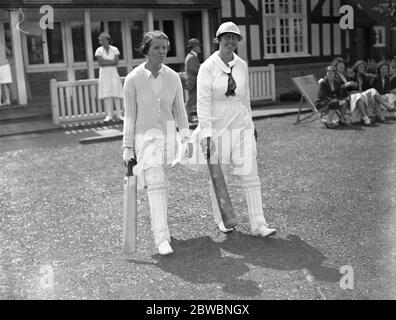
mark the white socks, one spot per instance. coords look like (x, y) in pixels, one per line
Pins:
(158, 201)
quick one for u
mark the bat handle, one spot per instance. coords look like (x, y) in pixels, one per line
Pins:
(208, 147)
(131, 164)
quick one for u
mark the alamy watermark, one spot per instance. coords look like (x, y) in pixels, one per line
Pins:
(46, 21)
(347, 280)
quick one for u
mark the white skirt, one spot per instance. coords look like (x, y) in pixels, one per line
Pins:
(110, 85)
(5, 74)
(368, 99)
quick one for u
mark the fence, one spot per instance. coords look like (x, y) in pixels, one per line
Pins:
(75, 101)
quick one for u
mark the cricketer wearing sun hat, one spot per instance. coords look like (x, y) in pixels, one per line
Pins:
(225, 115)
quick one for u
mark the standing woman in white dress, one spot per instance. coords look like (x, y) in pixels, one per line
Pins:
(110, 86)
(225, 115)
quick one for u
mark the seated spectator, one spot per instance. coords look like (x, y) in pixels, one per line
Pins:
(381, 82)
(330, 96)
(349, 88)
(370, 96)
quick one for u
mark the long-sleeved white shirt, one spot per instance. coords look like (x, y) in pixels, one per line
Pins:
(214, 109)
(153, 103)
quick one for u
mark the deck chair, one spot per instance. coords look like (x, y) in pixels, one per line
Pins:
(308, 87)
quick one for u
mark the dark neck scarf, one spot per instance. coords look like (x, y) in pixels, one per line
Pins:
(231, 85)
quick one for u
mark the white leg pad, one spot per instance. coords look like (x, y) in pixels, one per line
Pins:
(158, 201)
(251, 187)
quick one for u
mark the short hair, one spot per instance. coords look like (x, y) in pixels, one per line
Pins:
(148, 37)
(106, 35)
(381, 64)
(357, 64)
(337, 61)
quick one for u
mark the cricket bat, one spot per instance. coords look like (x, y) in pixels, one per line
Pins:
(130, 210)
(220, 188)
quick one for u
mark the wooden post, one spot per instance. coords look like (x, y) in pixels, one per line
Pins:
(205, 34)
(150, 20)
(18, 52)
(54, 101)
(88, 44)
(273, 82)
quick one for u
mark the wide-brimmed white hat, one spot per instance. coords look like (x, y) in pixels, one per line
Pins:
(227, 27)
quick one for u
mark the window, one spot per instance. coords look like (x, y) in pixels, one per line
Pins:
(35, 43)
(285, 28)
(77, 31)
(55, 44)
(7, 36)
(136, 29)
(115, 31)
(44, 46)
(114, 28)
(380, 40)
(168, 27)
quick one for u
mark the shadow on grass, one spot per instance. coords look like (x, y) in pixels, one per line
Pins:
(201, 261)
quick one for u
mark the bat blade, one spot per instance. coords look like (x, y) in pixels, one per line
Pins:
(130, 212)
(221, 192)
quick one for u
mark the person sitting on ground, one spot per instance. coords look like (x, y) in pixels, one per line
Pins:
(330, 96)
(349, 89)
(370, 95)
(381, 82)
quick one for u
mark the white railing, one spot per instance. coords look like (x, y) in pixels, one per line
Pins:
(262, 83)
(76, 101)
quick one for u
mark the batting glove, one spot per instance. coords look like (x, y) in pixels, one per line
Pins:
(128, 154)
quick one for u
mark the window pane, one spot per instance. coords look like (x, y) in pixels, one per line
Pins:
(271, 35)
(7, 36)
(55, 44)
(136, 36)
(297, 6)
(34, 41)
(77, 30)
(269, 6)
(298, 35)
(169, 30)
(115, 32)
(284, 35)
(283, 6)
(97, 28)
(156, 25)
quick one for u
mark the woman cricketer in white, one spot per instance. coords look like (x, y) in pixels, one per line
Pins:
(110, 86)
(224, 114)
(153, 100)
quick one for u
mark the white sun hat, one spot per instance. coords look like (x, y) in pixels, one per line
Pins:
(227, 27)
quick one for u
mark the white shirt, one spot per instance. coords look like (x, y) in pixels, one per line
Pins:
(153, 103)
(110, 55)
(214, 109)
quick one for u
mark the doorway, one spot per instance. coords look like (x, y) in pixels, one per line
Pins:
(192, 22)
(360, 44)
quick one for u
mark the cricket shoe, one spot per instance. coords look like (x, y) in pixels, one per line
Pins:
(264, 231)
(164, 248)
(222, 227)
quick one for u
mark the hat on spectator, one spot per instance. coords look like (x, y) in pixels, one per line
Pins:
(228, 27)
(331, 68)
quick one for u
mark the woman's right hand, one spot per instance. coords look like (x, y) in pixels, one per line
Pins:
(204, 145)
(128, 154)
